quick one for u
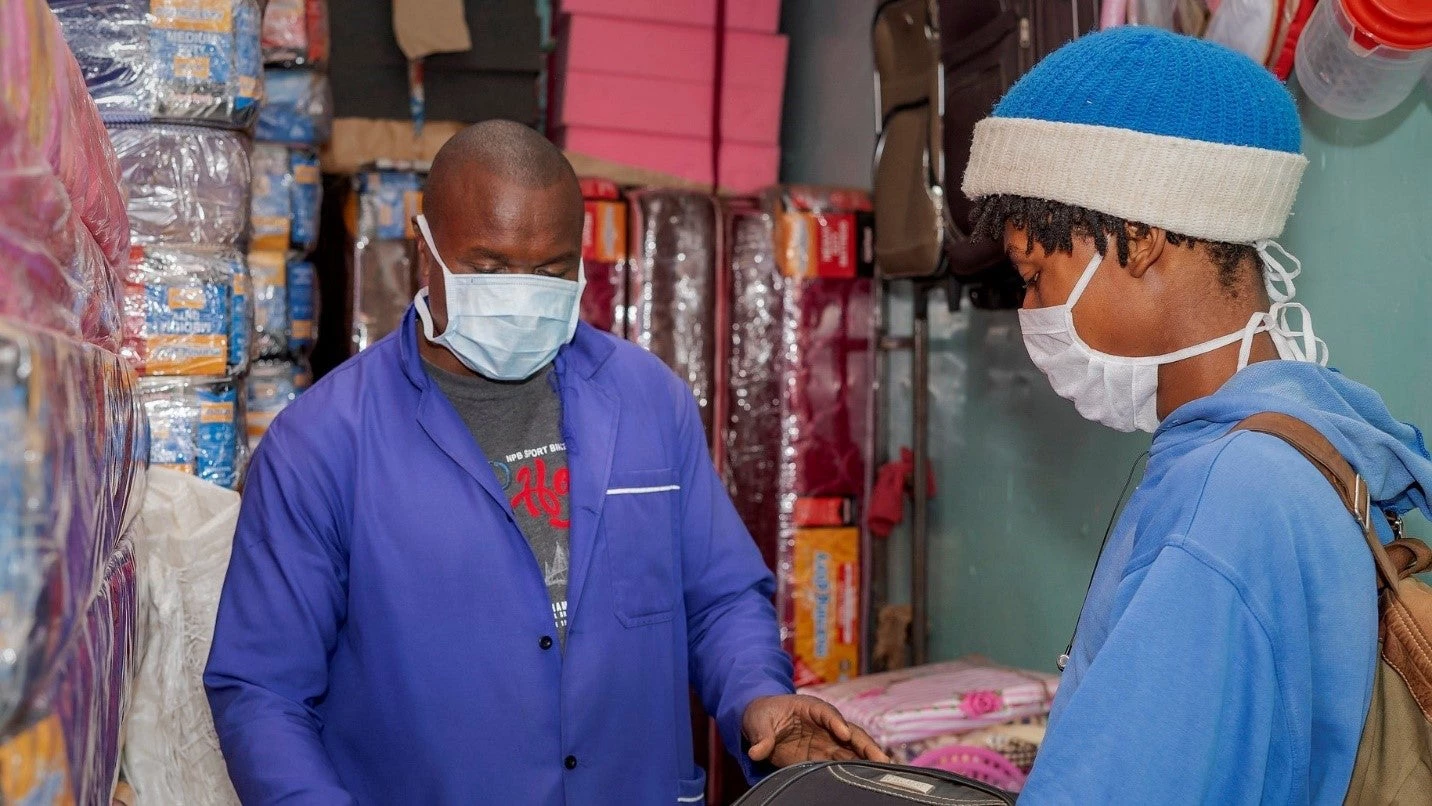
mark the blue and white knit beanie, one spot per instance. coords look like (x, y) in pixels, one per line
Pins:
(1152, 127)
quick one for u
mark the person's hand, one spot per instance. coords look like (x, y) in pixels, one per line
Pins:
(792, 728)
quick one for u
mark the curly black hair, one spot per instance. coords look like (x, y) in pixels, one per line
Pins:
(1053, 226)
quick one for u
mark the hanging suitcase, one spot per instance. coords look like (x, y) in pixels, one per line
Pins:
(940, 69)
(985, 46)
(860, 783)
(911, 217)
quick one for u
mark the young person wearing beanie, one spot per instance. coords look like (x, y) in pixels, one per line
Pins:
(1226, 650)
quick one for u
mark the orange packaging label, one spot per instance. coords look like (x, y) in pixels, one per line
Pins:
(180, 299)
(188, 354)
(181, 468)
(268, 268)
(193, 68)
(216, 413)
(302, 328)
(206, 16)
(604, 232)
(33, 766)
(823, 512)
(412, 205)
(818, 245)
(825, 589)
(306, 174)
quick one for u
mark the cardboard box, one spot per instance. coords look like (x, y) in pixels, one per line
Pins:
(674, 52)
(824, 588)
(678, 108)
(748, 15)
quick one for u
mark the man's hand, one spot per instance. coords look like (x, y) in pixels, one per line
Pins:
(792, 728)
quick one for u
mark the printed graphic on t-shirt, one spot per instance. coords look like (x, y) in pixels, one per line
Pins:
(536, 481)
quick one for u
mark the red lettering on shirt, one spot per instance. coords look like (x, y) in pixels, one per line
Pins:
(537, 498)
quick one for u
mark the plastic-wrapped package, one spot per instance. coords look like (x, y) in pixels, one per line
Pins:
(385, 269)
(186, 185)
(268, 273)
(241, 315)
(179, 311)
(922, 702)
(182, 541)
(295, 32)
(64, 498)
(196, 426)
(271, 206)
(604, 256)
(302, 305)
(387, 202)
(383, 286)
(175, 60)
(50, 267)
(91, 692)
(753, 387)
(672, 284)
(44, 101)
(297, 108)
(271, 388)
(307, 198)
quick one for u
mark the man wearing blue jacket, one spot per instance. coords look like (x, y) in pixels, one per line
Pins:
(1226, 650)
(486, 560)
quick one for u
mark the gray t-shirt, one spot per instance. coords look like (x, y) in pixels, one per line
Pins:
(518, 427)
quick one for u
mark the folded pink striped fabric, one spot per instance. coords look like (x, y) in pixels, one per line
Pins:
(909, 705)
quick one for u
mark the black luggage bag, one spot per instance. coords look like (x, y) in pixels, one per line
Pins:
(862, 783)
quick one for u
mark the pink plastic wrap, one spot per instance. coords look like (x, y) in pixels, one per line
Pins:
(52, 272)
(671, 295)
(65, 499)
(42, 88)
(295, 32)
(92, 688)
(923, 702)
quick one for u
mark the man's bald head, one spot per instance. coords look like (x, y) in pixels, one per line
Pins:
(498, 152)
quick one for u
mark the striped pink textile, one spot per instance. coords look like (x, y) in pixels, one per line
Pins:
(909, 705)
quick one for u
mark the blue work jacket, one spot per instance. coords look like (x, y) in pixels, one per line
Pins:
(385, 634)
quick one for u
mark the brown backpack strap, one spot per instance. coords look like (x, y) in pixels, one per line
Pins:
(1349, 485)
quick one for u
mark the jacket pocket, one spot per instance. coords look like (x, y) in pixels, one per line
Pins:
(638, 526)
(692, 791)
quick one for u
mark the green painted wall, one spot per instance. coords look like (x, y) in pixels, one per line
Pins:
(1027, 487)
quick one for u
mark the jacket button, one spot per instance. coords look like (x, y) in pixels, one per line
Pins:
(571, 762)
(546, 642)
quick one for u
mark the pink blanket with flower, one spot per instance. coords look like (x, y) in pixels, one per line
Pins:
(941, 698)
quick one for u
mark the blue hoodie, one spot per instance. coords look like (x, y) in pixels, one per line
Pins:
(1225, 654)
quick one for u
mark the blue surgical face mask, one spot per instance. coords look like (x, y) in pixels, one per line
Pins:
(503, 326)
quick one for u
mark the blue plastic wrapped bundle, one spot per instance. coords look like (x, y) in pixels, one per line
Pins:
(302, 309)
(268, 272)
(195, 427)
(273, 195)
(186, 185)
(271, 388)
(307, 199)
(76, 445)
(174, 60)
(297, 108)
(182, 315)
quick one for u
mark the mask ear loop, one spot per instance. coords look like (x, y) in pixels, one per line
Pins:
(1300, 343)
(1257, 323)
(1275, 273)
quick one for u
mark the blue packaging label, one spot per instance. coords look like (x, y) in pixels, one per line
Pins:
(187, 329)
(248, 56)
(192, 42)
(307, 196)
(391, 197)
(217, 443)
(239, 328)
(300, 303)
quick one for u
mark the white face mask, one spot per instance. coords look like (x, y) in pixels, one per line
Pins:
(503, 326)
(1121, 392)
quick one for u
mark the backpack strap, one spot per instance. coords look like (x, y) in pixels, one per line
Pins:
(1349, 485)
